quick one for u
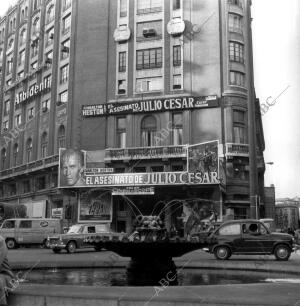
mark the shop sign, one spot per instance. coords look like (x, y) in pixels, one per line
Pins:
(57, 213)
(93, 209)
(33, 91)
(95, 171)
(202, 165)
(133, 191)
(154, 105)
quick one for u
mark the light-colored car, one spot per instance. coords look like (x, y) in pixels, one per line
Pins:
(28, 231)
(75, 238)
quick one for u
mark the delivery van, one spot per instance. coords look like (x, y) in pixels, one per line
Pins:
(29, 231)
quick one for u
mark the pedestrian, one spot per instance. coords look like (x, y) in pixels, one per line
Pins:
(6, 275)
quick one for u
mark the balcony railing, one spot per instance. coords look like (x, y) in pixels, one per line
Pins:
(32, 166)
(237, 149)
(145, 153)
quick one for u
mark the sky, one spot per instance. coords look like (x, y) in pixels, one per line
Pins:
(276, 51)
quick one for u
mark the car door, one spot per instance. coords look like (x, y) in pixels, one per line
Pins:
(255, 238)
(88, 230)
(230, 234)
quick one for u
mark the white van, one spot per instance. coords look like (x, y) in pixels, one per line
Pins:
(29, 231)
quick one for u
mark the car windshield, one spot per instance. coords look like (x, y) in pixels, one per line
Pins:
(75, 229)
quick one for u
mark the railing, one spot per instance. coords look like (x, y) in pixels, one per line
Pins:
(237, 149)
(146, 153)
(41, 163)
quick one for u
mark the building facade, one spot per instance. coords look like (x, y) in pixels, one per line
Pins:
(141, 81)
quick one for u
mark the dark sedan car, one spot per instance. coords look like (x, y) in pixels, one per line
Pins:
(248, 237)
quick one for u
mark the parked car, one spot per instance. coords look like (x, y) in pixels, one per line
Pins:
(76, 236)
(248, 237)
(28, 231)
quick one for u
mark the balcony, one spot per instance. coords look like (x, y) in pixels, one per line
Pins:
(145, 153)
(237, 149)
(30, 167)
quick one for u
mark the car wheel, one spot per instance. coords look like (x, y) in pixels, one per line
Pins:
(71, 247)
(46, 244)
(11, 243)
(56, 251)
(282, 252)
(222, 252)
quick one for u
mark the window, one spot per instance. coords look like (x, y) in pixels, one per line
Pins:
(9, 224)
(149, 58)
(157, 169)
(63, 97)
(9, 65)
(240, 134)
(61, 137)
(3, 158)
(123, 8)
(91, 229)
(30, 113)
(6, 107)
(66, 24)
(177, 81)
(28, 150)
(45, 105)
(64, 74)
(65, 49)
(34, 48)
(121, 132)
(149, 6)
(22, 57)
(151, 30)
(36, 4)
(176, 4)
(22, 16)
(239, 171)
(236, 52)
(240, 126)
(237, 78)
(122, 61)
(34, 66)
(66, 4)
(41, 183)
(231, 229)
(235, 2)
(122, 87)
(48, 59)
(15, 154)
(22, 37)
(44, 145)
(235, 23)
(5, 125)
(25, 224)
(10, 44)
(36, 26)
(49, 37)
(177, 129)
(50, 14)
(148, 131)
(26, 186)
(18, 120)
(176, 56)
(149, 84)
(239, 116)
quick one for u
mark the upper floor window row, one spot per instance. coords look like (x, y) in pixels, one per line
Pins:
(149, 6)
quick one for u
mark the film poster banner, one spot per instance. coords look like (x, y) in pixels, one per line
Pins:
(95, 208)
(203, 158)
(155, 105)
(73, 165)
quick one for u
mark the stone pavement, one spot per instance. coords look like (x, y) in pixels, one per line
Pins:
(280, 294)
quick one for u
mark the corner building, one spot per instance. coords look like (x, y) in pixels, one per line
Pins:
(138, 81)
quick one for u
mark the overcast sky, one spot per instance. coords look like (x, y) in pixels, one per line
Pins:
(276, 43)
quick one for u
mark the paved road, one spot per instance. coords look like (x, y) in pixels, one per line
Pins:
(28, 257)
